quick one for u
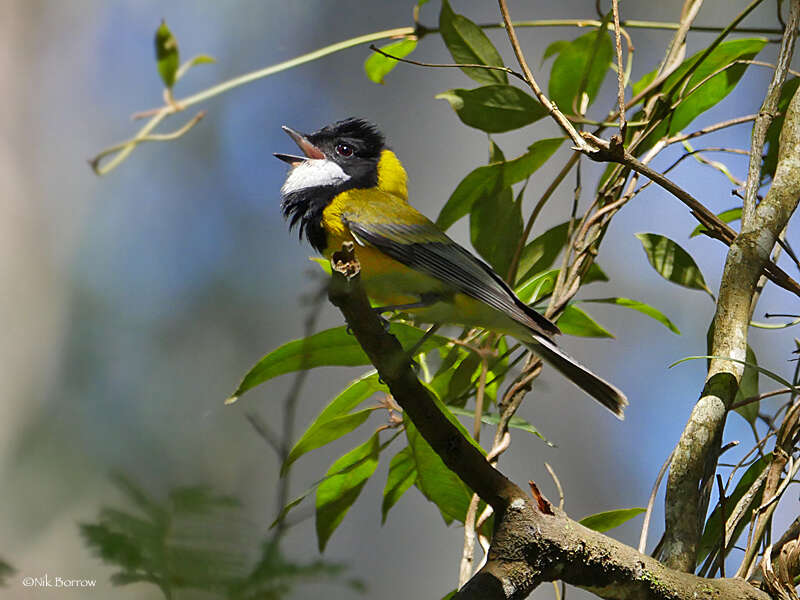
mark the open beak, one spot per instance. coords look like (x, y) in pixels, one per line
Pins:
(309, 149)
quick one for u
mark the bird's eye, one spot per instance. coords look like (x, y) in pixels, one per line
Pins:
(345, 150)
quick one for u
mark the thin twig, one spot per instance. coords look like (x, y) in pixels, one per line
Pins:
(620, 72)
(651, 502)
(508, 70)
(558, 485)
(768, 109)
(531, 81)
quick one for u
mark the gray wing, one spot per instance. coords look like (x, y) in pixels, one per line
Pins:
(424, 247)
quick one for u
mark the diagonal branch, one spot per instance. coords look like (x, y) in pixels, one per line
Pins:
(533, 542)
(695, 455)
(768, 111)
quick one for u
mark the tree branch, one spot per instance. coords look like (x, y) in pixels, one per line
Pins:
(532, 542)
(695, 455)
(769, 108)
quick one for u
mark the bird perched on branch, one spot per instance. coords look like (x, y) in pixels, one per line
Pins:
(348, 186)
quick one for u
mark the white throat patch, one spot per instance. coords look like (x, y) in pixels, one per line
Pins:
(313, 173)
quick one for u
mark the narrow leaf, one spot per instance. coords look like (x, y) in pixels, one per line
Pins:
(570, 69)
(642, 308)
(494, 108)
(377, 66)
(541, 253)
(700, 99)
(469, 45)
(492, 214)
(402, 475)
(167, 58)
(771, 159)
(334, 421)
(494, 419)
(574, 321)
(768, 373)
(436, 482)
(672, 262)
(493, 178)
(748, 387)
(332, 347)
(712, 533)
(610, 519)
(337, 494)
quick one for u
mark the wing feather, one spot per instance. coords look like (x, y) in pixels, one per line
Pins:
(425, 247)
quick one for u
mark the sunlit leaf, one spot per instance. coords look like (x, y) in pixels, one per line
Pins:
(334, 421)
(337, 493)
(716, 87)
(642, 308)
(402, 475)
(610, 519)
(542, 284)
(541, 253)
(727, 216)
(493, 178)
(469, 45)
(592, 51)
(436, 482)
(377, 66)
(332, 347)
(492, 214)
(494, 108)
(514, 423)
(672, 262)
(574, 321)
(167, 58)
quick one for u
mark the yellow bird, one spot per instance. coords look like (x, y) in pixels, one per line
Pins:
(349, 186)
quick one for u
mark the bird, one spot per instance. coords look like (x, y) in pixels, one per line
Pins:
(348, 186)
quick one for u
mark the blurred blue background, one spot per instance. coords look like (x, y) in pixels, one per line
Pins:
(132, 304)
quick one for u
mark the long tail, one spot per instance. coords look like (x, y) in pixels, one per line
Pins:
(602, 391)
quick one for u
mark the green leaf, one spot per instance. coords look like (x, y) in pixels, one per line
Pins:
(334, 421)
(469, 45)
(464, 375)
(610, 519)
(541, 253)
(494, 108)
(717, 87)
(592, 51)
(727, 216)
(332, 347)
(644, 82)
(712, 534)
(167, 58)
(542, 284)
(494, 419)
(709, 93)
(574, 321)
(436, 482)
(492, 214)
(642, 308)
(672, 262)
(377, 66)
(748, 387)
(493, 178)
(537, 287)
(402, 475)
(771, 159)
(555, 48)
(337, 493)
